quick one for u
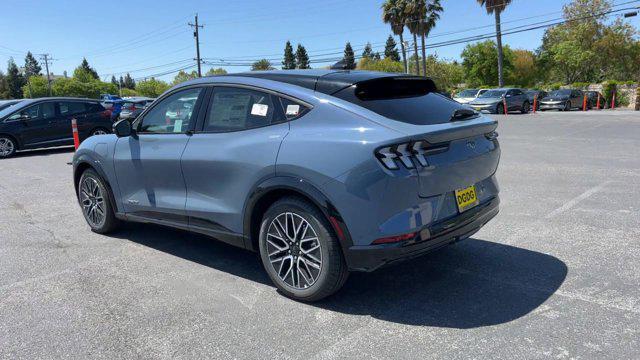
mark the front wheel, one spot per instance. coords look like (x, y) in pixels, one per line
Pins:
(525, 107)
(7, 147)
(95, 200)
(567, 106)
(300, 252)
(500, 109)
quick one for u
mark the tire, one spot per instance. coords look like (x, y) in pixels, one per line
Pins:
(93, 192)
(500, 109)
(567, 106)
(525, 107)
(99, 131)
(8, 147)
(314, 240)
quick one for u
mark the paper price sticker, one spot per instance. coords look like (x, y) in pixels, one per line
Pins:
(259, 109)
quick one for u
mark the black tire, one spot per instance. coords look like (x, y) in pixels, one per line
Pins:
(333, 272)
(525, 107)
(567, 106)
(110, 223)
(8, 146)
(500, 109)
(99, 131)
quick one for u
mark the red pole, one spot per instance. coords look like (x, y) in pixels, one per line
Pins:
(584, 103)
(535, 102)
(504, 102)
(598, 102)
(613, 100)
(74, 129)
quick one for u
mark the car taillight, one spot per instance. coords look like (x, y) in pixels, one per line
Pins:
(394, 155)
(394, 239)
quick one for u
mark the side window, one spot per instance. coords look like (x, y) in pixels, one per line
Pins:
(234, 109)
(40, 111)
(517, 92)
(72, 108)
(292, 110)
(173, 114)
(48, 110)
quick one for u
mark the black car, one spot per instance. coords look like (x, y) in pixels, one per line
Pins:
(536, 94)
(592, 98)
(6, 103)
(562, 99)
(40, 123)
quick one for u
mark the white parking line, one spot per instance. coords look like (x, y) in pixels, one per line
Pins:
(573, 202)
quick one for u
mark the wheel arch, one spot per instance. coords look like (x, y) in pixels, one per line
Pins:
(15, 140)
(273, 189)
(83, 164)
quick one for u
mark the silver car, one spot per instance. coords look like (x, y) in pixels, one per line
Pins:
(497, 101)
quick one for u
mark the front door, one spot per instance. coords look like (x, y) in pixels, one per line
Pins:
(35, 125)
(147, 164)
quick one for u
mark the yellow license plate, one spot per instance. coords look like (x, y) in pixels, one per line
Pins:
(466, 198)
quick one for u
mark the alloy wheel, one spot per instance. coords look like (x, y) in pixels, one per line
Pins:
(99, 132)
(92, 201)
(294, 250)
(6, 147)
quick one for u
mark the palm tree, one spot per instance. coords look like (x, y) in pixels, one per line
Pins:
(433, 10)
(415, 11)
(496, 7)
(393, 13)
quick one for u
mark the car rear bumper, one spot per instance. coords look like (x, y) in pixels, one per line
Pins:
(429, 238)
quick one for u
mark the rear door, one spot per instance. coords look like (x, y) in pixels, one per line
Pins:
(68, 110)
(236, 146)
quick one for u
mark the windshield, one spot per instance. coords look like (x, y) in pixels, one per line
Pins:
(561, 92)
(14, 107)
(467, 93)
(493, 94)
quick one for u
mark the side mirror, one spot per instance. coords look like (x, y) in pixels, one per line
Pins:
(122, 128)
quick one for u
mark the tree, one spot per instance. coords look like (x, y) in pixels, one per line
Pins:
(393, 13)
(114, 81)
(368, 51)
(4, 88)
(85, 67)
(432, 12)
(128, 82)
(35, 87)
(496, 7)
(31, 66)
(446, 74)
(14, 80)
(183, 76)
(479, 62)
(415, 11)
(302, 59)
(524, 68)
(151, 88)
(349, 57)
(385, 65)
(289, 61)
(390, 49)
(218, 71)
(262, 64)
(376, 56)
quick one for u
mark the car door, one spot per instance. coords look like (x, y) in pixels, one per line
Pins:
(147, 164)
(511, 100)
(235, 147)
(34, 124)
(68, 110)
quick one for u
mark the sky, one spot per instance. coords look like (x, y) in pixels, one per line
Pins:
(152, 37)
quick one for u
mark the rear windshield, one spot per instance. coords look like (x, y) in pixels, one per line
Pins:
(562, 92)
(468, 93)
(493, 94)
(409, 100)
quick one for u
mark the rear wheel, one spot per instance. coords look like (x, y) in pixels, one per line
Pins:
(500, 109)
(525, 107)
(567, 106)
(95, 199)
(8, 147)
(300, 252)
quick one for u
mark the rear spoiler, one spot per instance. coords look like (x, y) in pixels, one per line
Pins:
(458, 130)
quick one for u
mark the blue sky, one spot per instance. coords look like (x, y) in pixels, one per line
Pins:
(151, 37)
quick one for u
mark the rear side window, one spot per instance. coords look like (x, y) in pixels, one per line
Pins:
(409, 100)
(234, 109)
(72, 108)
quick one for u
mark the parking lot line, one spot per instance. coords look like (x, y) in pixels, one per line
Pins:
(573, 202)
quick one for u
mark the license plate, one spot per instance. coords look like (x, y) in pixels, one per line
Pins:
(466, 198)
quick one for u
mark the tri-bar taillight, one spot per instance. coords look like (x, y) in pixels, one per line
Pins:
(404, 153)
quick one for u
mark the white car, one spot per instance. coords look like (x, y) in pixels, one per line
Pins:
(467, 96)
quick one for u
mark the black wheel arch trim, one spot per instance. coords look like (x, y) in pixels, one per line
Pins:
(303, 187)
(86, 160)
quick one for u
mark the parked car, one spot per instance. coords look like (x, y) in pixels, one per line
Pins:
(562, 99)
(492, 101)
(6, 103)
(535, 94)
(133, 106)
(468, 95)
(592, 98)
(41, 123)
(113, 107)
(322, 172)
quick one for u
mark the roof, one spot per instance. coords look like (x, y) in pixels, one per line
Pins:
(325, 81)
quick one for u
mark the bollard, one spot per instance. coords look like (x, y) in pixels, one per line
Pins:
(613, 100)
(584, 103)
(535, 102)
(504, 103)
(598, 102)
(74, 129)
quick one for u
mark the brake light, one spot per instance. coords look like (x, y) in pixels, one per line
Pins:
(394, 239)
(405, 154)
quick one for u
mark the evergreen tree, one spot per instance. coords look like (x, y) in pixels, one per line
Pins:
(4, 89)
(349, 57)
(121, 81)
(367, 52)
(289, 61)
(376, 56)
(129, 83)
(390, 49)
(31, 66)
(64, 73)
(84, 66)
(302, 58)
(114, 81)
(15, 80)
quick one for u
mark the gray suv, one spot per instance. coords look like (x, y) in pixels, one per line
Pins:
(321, 172)
(494, 100)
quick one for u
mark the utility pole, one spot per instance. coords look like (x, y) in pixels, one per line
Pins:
(196, 35)
(46, 58)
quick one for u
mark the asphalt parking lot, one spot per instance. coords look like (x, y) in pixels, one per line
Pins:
(555, 275)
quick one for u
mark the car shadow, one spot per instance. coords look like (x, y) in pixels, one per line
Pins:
(470, 284)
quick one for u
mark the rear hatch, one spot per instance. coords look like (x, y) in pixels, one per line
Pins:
(450, 146)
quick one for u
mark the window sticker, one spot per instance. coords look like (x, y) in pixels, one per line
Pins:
(293, 110)
(177, 126)
(259, 109)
